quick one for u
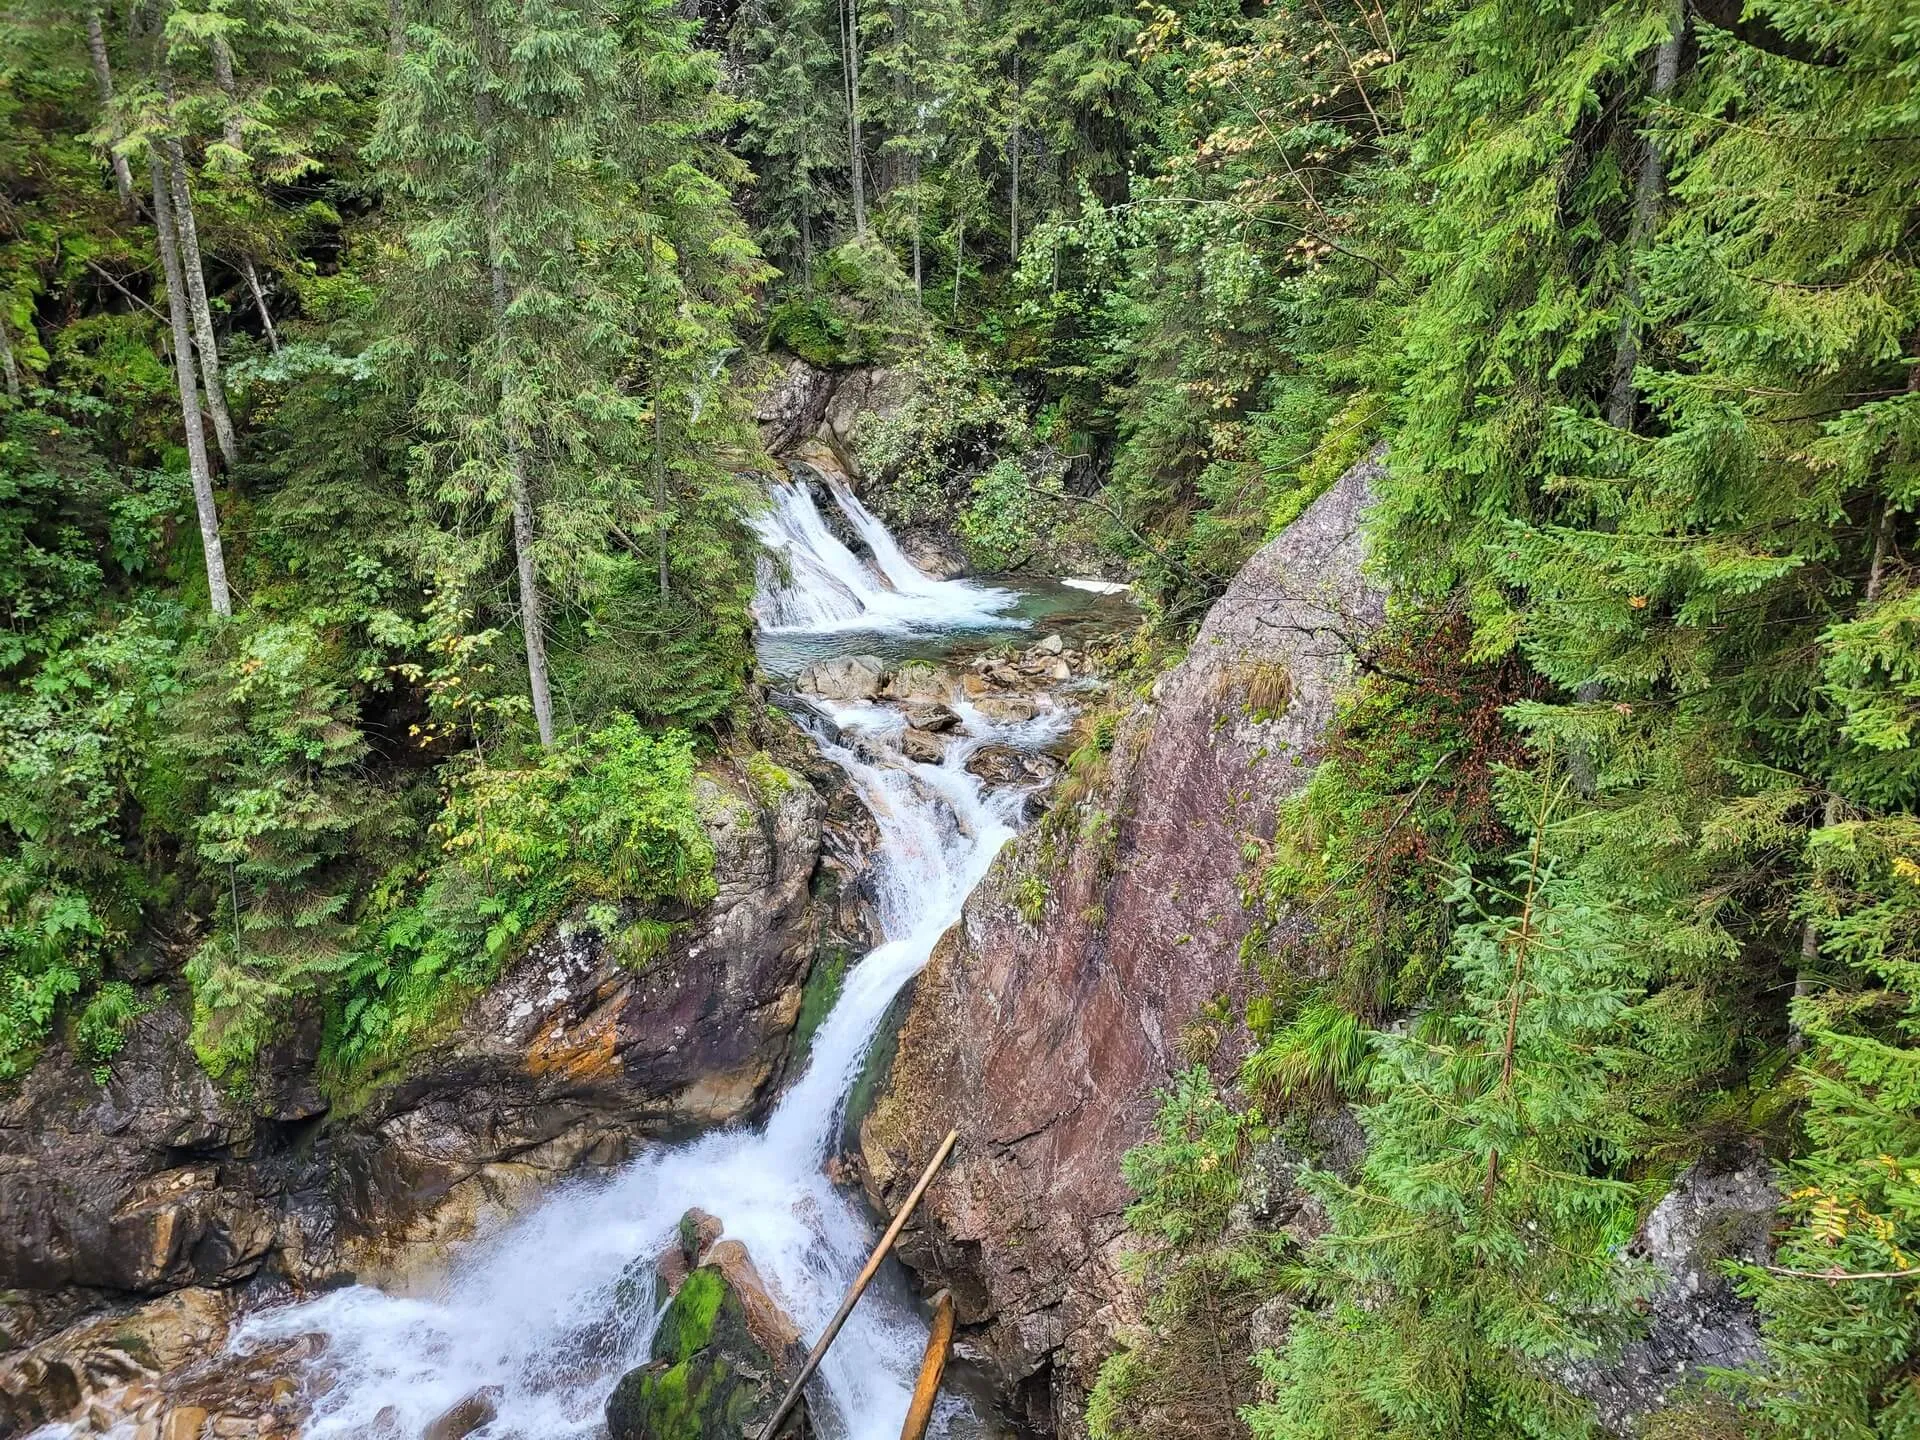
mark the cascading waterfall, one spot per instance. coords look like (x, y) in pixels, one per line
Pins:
(553, 1308)
(825, 586)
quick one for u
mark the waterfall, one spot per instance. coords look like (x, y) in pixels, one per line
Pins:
(545, 1308)
(810, 581)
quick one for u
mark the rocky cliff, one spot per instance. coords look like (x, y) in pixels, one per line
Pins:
(159, 1181)
(1087, 967)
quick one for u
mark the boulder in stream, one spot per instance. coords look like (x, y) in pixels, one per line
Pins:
(722, 1357)
(846, 677)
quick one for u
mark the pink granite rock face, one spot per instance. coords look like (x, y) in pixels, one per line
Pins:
(1078, 984)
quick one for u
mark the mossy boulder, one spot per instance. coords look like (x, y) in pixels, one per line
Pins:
(722, 1357)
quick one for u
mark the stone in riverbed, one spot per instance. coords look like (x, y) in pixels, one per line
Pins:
(466, 1416)
(931, 716)
(919, 680)
(1052, 645)
(722, 1357)
(1005, 709)
(847, 677)
(924, 747)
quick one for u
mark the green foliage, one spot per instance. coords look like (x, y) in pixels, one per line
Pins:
(1482, 1241)
(607, 819)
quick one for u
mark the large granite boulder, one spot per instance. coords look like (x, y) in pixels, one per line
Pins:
(1074, 987)
(723, 1355)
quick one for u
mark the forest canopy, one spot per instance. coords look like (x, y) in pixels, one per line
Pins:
(376, 462)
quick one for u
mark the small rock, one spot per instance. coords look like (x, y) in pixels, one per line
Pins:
(183, 1423)
(466, 1416)
(1062, 670)
(931, 715)
(997, 765)
(1267, 1327)
(975, 684)
(919, 680)
(1005, 709)
(923, 747)
(847, 677)
(1052, 645)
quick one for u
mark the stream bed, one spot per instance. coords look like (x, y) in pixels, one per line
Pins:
(547, 1311)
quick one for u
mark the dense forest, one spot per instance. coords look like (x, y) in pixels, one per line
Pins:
(376, 463)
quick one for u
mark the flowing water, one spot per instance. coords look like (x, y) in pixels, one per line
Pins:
(554, 1307)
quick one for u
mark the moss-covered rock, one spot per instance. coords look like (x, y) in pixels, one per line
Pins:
(718, 1366)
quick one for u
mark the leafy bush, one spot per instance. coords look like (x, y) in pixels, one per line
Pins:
(609, 818)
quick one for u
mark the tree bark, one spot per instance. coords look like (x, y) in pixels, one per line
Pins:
(197, 299)
(233, 131)
(532, 620)
(8, 363)
(260, 302)
(919, 293)
(659, 485)
(520, 491)
(1647, 187)
(217, 592)
(1830, 807)
(396, 31)
(1013, 151)
(850, 16)
(103, 82)
(959, 255)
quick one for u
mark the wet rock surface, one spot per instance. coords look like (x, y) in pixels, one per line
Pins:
(1721, 1209)
(161, 1181)
(723, 1354)
(1071, 991)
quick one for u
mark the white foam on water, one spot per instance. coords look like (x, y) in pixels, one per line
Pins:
(809, 581)
(553, 1307)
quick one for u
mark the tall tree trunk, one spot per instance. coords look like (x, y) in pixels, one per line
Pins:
(396, 31)
(959, 255)
(260, 302)
(1830, 807)
(850, 42)
(8, 363)
(1647, 187)
(197, 466)
(659, 485)
(233, 131)
(919, 293)
(197, 300)
(532, 618)
(520, 491)
(103, 82)
(1013, 154)
(1649, 182)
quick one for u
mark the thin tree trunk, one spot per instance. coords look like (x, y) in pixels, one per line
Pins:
(659, 486)
(210, 546)
(260, 301)
(103, 82)
(7, 362)
(1830, 807)
(1013, 149)
(1647, 187)
(197, 300)
(1649, 182)
(959, 254)
(232, 128)
(919, 293)
(396, 31)
(850, 14)
(520, 492)
(532, 620)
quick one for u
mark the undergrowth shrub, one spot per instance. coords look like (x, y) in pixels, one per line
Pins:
(609, 818)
